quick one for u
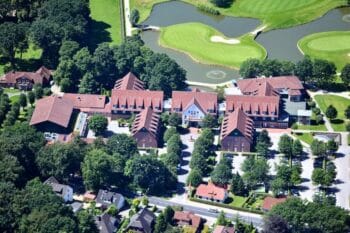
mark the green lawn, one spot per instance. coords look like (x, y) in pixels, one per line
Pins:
(14, 99)
(237, 201)
(305, 137)
(333, 46)
(107, 23)
(313, 125)
(194, 40)
(339, 103)
(274, 13)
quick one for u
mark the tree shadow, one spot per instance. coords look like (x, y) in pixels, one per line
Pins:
(337, 121)
(185, 154)
(98, 34)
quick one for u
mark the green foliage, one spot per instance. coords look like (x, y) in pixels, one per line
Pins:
(222, 173)
(237, 185)
(221, 220)
(323, 72)
(222, 3)
(145, 201)
(101, 169)
(31, 97)
(331, 112)
(122, 144)
(194, 178)
(134, 17)
(312, 217)
(174, 120)
(345, 74)
(209, 121)
(86, 222)
(68, 49)
(38, 91)
(208, 9)
(255, 171)
(169, 133)
(150, 175)
(161, 224)
(304, 68)
(276, 224)
(98, 124)
(347, 112)
(168, 214)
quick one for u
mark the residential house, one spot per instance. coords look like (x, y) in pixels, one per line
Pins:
(106, 198)
(106, 223)
(53, 114)
(142, 222)
(129, 82)
(237, 132)
(270, 202)
(187, 218)
(194, 105)
(64, 191)
(145, 128)
(211, 192)
(26, 80)
(223, 229)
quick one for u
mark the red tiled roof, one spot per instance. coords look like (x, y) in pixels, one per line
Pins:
(36, 77)
(254, 105)
(223, 229)
(187, 216)
(268, 86)
(270, 202)
(204, 100)
(129, 82)
(135, 101)
(147, 119)
(86, 100)
(53, 109)
(237, 120)
(211, 191)
(294, 92)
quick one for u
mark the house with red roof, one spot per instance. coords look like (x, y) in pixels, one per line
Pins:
(270, 202)
(237, 132)
(145, 128)
(194, 105)
(89, 103)
(129, 82)
(187, 218)
(223, 229)
(211, 192)
(26, 80)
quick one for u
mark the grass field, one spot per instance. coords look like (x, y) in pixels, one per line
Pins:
(313, 125)
(273, 13)
(107, 21)
(333, 46)
(194, 39)
(339, 103)
(305, 137)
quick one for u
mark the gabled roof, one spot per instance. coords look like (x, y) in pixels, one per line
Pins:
(60, 189)
(143, 220)
(106, 223)
(270, 202)
(240, 121)
(264, 86)
(187, 216)
(86, 100)
(146, 119)
(223, 229)
(129, 82)
(53, 109)
(211, 191)
(36, 77)
(105, 197)
(203, 100)
(134, 100)
(254, 105)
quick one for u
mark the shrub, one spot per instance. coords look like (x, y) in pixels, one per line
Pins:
(311, 104)
(208, 9)
(295, 126)
(347, 126)
(316, 111)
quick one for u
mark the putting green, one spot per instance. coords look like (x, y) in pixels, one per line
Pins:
(194, 39)
(333, 46)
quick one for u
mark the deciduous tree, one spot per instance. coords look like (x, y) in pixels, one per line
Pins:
(98, 124)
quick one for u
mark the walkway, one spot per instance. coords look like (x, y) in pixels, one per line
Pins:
(128, 27)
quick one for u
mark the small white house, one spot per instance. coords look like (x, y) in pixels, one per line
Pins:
(106, 198)
(64, 191)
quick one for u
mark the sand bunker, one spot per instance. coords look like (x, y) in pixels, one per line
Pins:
(220, 39)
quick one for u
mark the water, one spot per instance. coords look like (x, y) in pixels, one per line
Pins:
(280, 44)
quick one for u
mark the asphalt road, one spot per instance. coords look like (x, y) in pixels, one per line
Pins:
(257, 222)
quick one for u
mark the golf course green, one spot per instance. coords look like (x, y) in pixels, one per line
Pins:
(333, 46)
(195, 39)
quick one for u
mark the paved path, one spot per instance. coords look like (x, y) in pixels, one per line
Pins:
(203, 210)
(128, 27)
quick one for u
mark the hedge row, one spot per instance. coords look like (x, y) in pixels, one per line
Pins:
(208, 9)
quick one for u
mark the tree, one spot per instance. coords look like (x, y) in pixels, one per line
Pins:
(271, 67)
(168, 214)
(255, 171)
(345, 74)
(98, 124)
(221, 220)
(222, 173)
(68, 49)
(262, 149)
(161, 224)
(169, 133)
(38, 91)
(7, 215)
(209, 121)
(31, 97)
(149, 174)
(122, 144)
(347, 112)
(275, 224)
(237, 185)
(222, 3)
(332, 147)
(10, 170)
(101, 169)
(250, 68)
(297, 148)
(323, 72)
(303, 68)
(88, 84)
(22, 100)
(134, 17)
(285, 146)
(287, 68)
(331, 112)
(174, 120)
(198, 162)
(60, 160)
(86, 223)
(194, 178)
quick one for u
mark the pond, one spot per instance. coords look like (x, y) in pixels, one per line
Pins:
(280, 44)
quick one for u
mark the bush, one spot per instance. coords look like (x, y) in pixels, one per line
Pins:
(347, 126)
(319, 119)
(295, 126)
(208, 9)
(316, 111)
